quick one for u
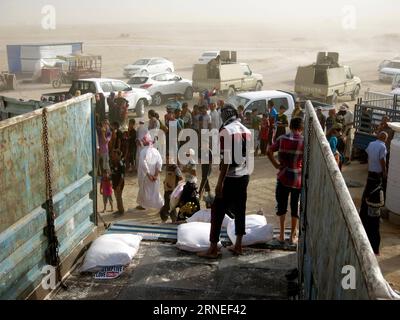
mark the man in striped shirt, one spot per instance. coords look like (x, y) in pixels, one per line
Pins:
(290, 148)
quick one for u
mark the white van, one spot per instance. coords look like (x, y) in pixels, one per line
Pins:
(259, 100)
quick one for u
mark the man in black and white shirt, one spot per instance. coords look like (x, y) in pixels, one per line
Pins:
(234, 177)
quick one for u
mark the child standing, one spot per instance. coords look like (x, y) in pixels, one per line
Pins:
(106, 190)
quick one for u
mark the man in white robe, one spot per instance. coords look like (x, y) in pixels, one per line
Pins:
(149, 169)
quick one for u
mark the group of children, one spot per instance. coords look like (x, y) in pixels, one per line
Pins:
(117, 151)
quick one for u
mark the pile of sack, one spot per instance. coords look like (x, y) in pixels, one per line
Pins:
(194, 236)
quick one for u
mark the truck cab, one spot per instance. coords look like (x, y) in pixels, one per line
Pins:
(226, 75)
(327, 80)
(137, 98)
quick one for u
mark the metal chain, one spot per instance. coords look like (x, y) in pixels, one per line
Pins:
(52, 251)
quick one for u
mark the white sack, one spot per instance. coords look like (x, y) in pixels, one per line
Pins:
(111, 250)
(205, 216)
(176, 195)
(194, 237)
(257, 230)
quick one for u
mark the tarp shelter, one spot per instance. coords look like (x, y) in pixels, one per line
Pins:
(25, 59)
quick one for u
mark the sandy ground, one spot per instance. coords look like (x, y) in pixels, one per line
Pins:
(274, 55)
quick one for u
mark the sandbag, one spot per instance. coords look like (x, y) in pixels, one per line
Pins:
(176, 196)
(111, 250)
(205, 216)
(257, 230)
(194, 237)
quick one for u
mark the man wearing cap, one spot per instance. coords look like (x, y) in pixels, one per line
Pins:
(234, 177)
(371, 200)
(348, 122)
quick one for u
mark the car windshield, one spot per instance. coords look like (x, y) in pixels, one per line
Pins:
(141, 62)
(209, 54)
(137, 80)
(238, 101)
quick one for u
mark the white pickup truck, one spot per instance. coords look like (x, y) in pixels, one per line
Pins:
(138, 99)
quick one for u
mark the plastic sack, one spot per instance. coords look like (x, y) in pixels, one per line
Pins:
(111, 250)
(194, 237)
(176, 196)
(257, 230)
(205, 216)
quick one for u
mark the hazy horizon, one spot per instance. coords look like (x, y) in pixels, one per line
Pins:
(371, 15)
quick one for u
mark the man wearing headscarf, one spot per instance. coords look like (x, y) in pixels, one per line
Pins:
(234, 177)
(149, 169)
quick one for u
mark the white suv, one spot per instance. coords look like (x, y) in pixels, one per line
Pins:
(148, 66)
(162, 85)
(388, 69)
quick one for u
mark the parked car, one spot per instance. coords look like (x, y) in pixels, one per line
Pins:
(259, 101)
(138, 99)
(148, 66)
(163, 85)
(396, 81)
(326, 80)
(388, 69)
(207, 56)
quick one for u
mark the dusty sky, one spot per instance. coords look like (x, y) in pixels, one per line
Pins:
(283, 14)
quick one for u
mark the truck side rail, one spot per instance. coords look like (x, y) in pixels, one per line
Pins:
(333, 242)
(367, 118)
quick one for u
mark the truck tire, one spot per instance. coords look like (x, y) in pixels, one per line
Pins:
(231, 92)
(332, 99)
(157, 99)
(355, 93)
(140, 108)
(189, 93)
(259, 86)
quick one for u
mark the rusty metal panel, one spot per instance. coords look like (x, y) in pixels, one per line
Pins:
(22, 190)
(332, 235)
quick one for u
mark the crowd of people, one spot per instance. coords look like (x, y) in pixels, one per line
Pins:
(127, 148)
